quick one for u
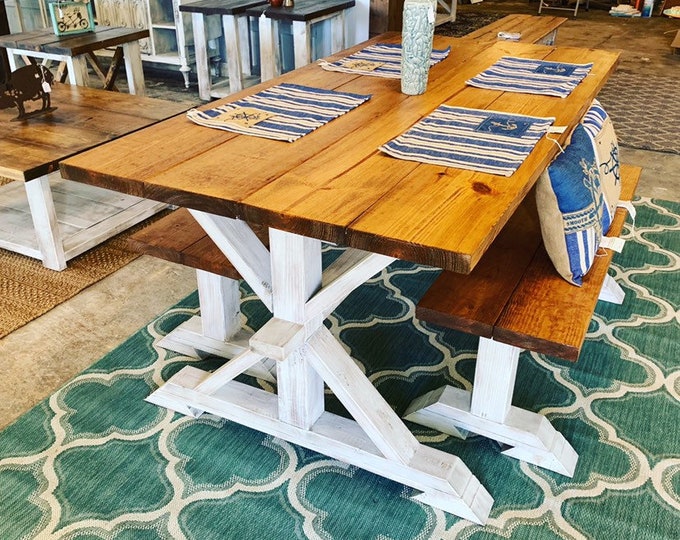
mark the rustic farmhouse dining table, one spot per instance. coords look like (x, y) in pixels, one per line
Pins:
(46, 217)
(334, 185)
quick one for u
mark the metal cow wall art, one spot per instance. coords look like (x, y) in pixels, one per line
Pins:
(28, 83)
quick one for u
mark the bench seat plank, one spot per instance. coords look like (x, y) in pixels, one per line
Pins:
(521, 302)
(478, 306)
(179, 238)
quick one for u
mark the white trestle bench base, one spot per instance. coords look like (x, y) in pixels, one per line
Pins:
(289, 279)
(487, 410)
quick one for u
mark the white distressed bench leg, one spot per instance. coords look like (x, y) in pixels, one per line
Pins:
(44, 215)
(233, 42)
(338, 26)
(201, 52)
(270, 61)
(302, 43)
(611, 291)
(488, 412)
(308, 355)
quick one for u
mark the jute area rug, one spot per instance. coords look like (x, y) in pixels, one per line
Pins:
(28, 289)
(97, 461)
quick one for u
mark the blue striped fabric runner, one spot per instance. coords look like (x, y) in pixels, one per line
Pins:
(386, 54)
(294, 111)
(486, 141)
(528, 76)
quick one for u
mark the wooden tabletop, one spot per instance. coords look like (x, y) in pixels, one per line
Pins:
(45, 40)
(84, 117)
(334, 184)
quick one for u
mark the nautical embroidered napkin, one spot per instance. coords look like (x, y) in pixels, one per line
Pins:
(528, 76)
(379, 60)
(486, 141)
(284, 112)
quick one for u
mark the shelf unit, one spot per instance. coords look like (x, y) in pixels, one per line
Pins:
(170, 41)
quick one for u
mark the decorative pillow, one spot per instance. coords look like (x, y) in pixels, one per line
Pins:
(599, 127)
(570, 208)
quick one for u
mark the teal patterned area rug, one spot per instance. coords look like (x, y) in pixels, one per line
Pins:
(95, 461)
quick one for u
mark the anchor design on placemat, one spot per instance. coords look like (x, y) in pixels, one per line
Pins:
(28, 83)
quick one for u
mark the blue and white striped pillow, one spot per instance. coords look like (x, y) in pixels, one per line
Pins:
(571, 208)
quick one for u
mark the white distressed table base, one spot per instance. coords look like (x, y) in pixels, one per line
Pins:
(307, 355)
(487, 411)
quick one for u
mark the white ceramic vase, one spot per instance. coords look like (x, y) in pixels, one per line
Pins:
(416, 42)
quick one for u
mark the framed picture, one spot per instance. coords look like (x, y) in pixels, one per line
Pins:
(71, 17)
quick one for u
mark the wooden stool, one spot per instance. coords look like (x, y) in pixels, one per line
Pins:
(303, 15)
(236, 41)
(76, 50)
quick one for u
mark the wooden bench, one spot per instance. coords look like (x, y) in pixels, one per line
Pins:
(532, 29)
(179, 238)
(513, 300)
(515, 296)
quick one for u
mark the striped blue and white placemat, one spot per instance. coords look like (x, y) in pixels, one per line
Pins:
(485, 141)
(379, 60)
(528, 76)
(284, 112)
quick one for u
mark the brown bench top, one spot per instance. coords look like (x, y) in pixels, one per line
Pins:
(533, 28)
(179, 238)
(515, 296)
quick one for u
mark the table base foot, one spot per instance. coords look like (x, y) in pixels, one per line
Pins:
(530, 435)
(443, 479)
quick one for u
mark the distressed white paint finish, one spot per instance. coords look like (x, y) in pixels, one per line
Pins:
(188, 339)
(244, 43)
(443, 478)
(361, 399)
(243, 249)
(338, 37)
(54, 220)
(349, 271)
(270, 60)
(307, 356)
(611, 291)
(225, 373)
(236, 49)
(296, 276)
(531, 436)
(201, 53)
(132, 55)
(494, 384)
(219, 298)
(302, 43)
(45, 222)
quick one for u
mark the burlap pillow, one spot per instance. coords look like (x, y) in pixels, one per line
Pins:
(599, 127)
(570, 208)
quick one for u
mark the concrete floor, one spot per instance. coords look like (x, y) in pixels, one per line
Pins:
(39, 357)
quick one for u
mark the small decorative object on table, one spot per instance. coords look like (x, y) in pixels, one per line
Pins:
(416, 41)
(28, 83)
(71, 17)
